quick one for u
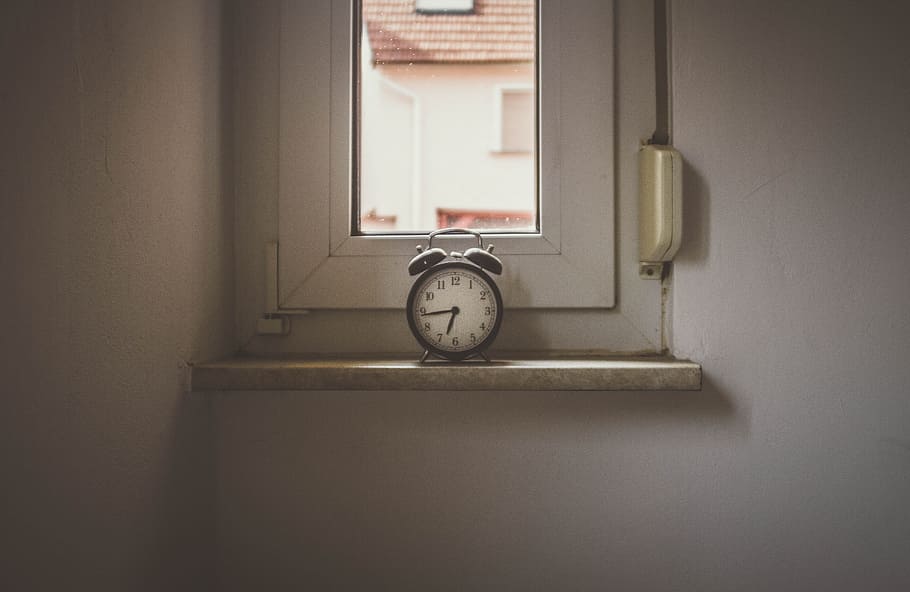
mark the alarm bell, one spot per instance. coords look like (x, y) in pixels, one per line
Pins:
(483, 258)
(425, 260)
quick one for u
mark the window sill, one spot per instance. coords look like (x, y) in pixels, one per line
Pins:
(516, 374)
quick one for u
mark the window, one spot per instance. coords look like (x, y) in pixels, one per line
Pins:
(514, 112)
(559, 282)
(574, 245)
(444, 5)
(516, 108)
(427, 87)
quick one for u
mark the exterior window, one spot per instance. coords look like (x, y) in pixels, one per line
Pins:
(336, 252)
(444, 5)
(570, 284)
(424, 88)
(514, 127)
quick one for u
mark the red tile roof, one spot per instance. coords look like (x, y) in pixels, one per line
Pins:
(497, 31)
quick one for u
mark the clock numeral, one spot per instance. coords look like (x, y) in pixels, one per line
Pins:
(474, 338)
(486, 311)
(440, 284)
(483, 326)
(430, 295)
(456, 281)
(423, 310)
(483, 294)
(426, 327)
(455, 341)
(470, 284)
(438, 337)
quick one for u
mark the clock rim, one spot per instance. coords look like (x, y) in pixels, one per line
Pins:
(475, 350)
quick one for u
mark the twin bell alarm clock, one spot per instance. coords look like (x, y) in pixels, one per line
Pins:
(454, 308)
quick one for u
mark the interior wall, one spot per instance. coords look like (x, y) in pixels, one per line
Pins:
(792, 289)
(116, 257)
(789, 471)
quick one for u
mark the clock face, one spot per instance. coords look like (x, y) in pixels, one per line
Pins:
(454, 310)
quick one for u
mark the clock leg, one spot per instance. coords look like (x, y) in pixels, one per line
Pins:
(426, 354)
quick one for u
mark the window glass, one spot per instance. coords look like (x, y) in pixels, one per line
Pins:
(446, 120)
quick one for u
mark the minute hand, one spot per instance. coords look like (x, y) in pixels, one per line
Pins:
(438, 312)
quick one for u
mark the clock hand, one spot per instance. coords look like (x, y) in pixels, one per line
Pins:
(455, 312)
(438, 312)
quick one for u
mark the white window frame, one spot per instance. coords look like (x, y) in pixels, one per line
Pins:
(569, 263)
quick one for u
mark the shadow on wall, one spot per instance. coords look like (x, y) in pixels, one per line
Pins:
(344, 490)
(537, 410)
(359, 416)
(696, 214)
(183, 496)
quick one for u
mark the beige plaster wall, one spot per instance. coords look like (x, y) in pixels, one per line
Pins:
(116, 264)
(789, 471)
(792, 291)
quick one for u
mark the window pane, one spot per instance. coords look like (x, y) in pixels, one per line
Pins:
(447, 105)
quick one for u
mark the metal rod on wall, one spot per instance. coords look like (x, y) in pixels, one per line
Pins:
(662, 134)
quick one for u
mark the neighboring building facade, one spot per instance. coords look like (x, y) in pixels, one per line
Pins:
(447, 114)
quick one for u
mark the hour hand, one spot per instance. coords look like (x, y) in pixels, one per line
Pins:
(455, 312)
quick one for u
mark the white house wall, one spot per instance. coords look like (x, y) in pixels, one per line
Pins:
(446, 153)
